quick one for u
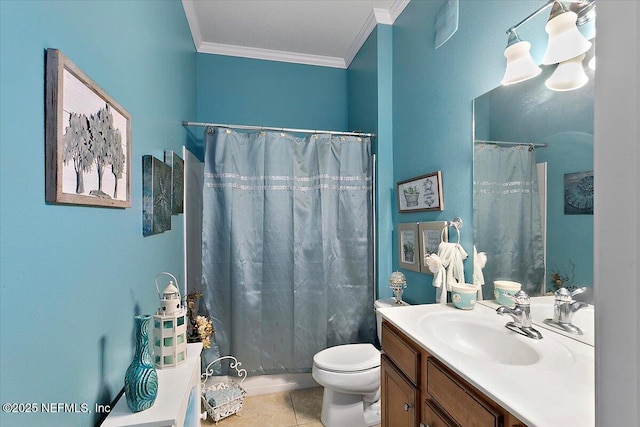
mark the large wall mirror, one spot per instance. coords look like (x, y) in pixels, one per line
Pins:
(533, 185)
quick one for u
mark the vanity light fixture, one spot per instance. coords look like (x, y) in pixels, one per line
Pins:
(569, 75)
(565, 41)
(520, 64)
(566, 46)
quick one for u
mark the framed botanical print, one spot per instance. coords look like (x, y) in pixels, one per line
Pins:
(423, 193)
(431, 234)
(408, 246)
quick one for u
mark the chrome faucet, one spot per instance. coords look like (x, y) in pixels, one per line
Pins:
(521, 315)
(564, 308)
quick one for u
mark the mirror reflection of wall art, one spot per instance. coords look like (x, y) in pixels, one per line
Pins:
(177, 181)
(423, 193)
(431, 234)
(87, 140)
(156, 196)
(408, 246)
(578, 193)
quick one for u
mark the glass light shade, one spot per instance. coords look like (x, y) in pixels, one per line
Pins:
(397, 278)
(565, 41)
(568, 75)
(520, 65)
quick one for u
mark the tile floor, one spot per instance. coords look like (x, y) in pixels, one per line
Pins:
(295, 408)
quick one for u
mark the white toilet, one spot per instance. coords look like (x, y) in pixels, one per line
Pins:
(350, 375)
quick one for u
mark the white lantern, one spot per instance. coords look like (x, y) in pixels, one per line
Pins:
(170, 327)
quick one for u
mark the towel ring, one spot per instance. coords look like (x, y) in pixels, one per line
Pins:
(455, 223)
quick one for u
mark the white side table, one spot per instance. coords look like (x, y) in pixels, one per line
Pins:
(178, 401)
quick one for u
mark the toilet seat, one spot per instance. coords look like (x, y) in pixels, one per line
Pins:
(348, 358)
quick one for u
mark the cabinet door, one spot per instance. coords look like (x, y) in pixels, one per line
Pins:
(399, 397)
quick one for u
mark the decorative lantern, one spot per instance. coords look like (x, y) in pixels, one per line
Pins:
(397, 283)
(170, 327)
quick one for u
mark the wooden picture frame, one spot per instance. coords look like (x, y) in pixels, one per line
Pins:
(422, 193)
(431, 234)
(87, 140)
(408, 246)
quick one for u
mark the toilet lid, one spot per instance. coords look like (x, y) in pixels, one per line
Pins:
(348, 358)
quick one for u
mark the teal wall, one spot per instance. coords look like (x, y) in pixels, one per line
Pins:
(71, 277)
(370, 110)
(433, 90)
(245, 91)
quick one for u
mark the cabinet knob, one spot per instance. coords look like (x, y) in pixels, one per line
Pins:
(407, 406)
(422, 425)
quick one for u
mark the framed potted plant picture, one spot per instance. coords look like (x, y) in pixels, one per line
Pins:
(87, 139)
(431, 234)
(408, 246)
(422, 193)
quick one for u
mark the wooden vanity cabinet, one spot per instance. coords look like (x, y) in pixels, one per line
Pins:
(400, 399)
(420, 391)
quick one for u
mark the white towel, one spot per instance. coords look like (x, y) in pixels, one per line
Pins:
(479, 261)
(451, 256)
(439, 274)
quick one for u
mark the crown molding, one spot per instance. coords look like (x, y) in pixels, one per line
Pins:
(271, 55)
(192, 20)
(377, 16)
(396, 9)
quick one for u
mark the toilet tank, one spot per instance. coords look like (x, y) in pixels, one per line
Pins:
(384, 302)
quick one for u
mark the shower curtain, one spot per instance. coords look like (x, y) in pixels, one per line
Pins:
(286, 245)
(506, 212)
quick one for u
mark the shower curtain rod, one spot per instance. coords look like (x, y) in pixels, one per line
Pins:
(482, 141)
(247, 127)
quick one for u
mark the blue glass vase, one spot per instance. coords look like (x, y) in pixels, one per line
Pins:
(141, 379)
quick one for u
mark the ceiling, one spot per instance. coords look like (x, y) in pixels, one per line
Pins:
(315, 32)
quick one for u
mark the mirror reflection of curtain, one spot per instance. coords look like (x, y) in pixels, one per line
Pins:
(506, 215)
(287, 267)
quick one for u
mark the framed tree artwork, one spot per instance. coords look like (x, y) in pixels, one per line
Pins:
(87, 139)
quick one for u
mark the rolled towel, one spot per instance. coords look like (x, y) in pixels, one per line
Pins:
(223, 395)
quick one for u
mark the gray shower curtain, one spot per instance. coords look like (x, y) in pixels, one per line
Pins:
(286, 246)
(506, 216)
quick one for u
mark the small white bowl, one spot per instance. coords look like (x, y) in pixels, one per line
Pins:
(464, 295)
(503, 288)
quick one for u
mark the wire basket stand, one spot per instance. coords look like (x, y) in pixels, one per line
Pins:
(225, 398)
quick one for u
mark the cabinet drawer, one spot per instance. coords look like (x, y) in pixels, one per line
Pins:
(461, 403)
(397, 348)
(433, 417)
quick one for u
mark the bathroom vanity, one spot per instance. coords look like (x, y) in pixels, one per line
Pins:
(447, 367)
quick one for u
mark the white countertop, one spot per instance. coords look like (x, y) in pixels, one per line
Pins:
(556, 391)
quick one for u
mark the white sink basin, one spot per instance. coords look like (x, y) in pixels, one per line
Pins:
(479, 341)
